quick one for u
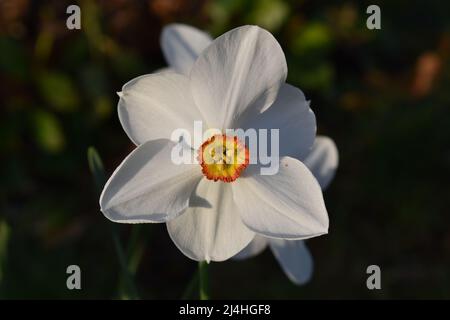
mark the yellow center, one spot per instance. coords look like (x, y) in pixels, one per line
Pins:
(223, 158)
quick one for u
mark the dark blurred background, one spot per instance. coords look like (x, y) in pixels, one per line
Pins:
(382, 95)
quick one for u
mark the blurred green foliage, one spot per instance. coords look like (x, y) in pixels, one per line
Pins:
(382, 95)
(47, 131)
(58, 91)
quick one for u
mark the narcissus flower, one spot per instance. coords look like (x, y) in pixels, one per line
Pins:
(293, 255)
(214, 209)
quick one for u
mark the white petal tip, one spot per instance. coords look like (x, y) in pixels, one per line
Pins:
(120, 94)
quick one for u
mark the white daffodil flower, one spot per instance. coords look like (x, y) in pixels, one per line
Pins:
(214, 209)
(293, 255)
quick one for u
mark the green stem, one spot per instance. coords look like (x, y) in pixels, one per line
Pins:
(203, 275)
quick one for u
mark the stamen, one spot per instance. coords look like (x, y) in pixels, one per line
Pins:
(223, 158)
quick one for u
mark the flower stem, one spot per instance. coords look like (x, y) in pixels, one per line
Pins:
(203, 276)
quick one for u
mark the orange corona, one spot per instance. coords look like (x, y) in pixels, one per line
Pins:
(223, 158)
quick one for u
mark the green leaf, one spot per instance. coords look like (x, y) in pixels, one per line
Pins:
(96, 167)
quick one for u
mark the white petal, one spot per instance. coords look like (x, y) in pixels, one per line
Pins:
(255, 247)
(294, 258)
(323, 160)
(287, 205)
(292, 116)
(153, 106)
(211, 228)
(182, 44)
(148, 187)
(241, 70)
